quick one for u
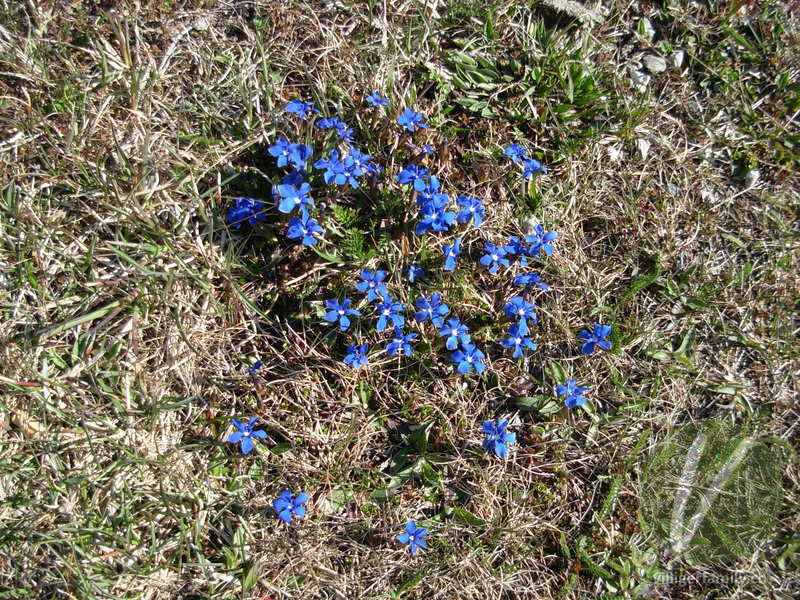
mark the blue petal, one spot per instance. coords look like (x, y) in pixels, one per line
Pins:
(247, 445)
(300, 511)
(403, 538)
(301, 498)
(285, 515)
(260, 433)
(411, 527)
(235, 437)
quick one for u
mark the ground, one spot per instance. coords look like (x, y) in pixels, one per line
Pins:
(131, 310)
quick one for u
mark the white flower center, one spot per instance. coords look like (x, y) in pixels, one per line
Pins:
(454, 332)
(246, 434)
(494, 257)
(469, 359)
(518, 341)
(341, 312)
(386, 311)
(472, 209)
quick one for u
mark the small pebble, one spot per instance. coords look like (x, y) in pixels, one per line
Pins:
(655, 64)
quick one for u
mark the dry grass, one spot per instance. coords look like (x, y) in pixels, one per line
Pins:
(130, 311)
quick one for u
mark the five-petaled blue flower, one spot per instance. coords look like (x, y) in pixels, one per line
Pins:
(415, 272)
(377, 100)
(340, 312)
(296, 154)
(300, 108)
(244, 434)
(303, 229)
(339, 171)
(534, 279)
(518, 307)
(245, 209)
(293, 196)
(427, 149)
(450, 254)
(518, 342)
(467, 358)
(516, 152)
(472, 209)
(256, 367)
(418, 176)
(532, 166)
(371, 284)
(515, 246)
(289, 507)
(434, 215)
(389, 310)
(596, 338)
(401, 342)
(411, 120)
(342, 129)
(356, 356)
(455, 332)
(432, 309)
(572, 392)
(494, 257)
(497, 438)
(413, 537)
(540, 241)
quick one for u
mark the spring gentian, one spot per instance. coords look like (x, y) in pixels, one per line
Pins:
(375, 99)
(518, 342)
(342, 129)
(532, 166)
(293, 196)
(413, 537)
(335, 169)
(415, 272)
(414, 175)
(288, 507)
(427, 149)
(389, 310)
(450, 254)
(432, 309)
(340, 312)
(596, 338)
(244, 434)
(467, 358)
(434, 215)
(245, 209)
(516, 152)
(497, 438)
(356, 356)
(256, 367)
(516, 247)
(534, 279)
(303, 229)
(371, 284)
(300, 108)
(494, 257)
(518, 307)
(299, 155)
(455, 331)
(400, 342)
(411, 120)
(540, 241)
(572, 392)
(280, 150)
(472, 209)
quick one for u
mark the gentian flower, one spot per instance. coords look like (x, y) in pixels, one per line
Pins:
(572, 392)
(411, 120)
(294, 177)
(342, 130)
(497, 438)
(401, 342)
(467, 358)
(532, 166)
(244, 434)
(256, 367)
(280, 150)
(299, 155)
(414, 175)
(534, 279)
(340, 312)
(371, 284)
(516, 247)
(494, 257)
(434, 216)
(303, 229)
(596, 338)
(518, 307)
(245, 209)
(293, 196)
(427, 149)
(288, 507)
(335, 169)
(389, 310)
(377, 100)
(450, 254)
(472, 209)
(540, 241)
(518, 342)
(516, 152)
(356, 356)
(413, 537)
(432, 309)
(300, 108)
(415, 272)
(456, 332)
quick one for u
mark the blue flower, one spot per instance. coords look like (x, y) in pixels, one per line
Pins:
(532, 166)
(280, 150)
(534, 279)
(411, 120)
(340, 312)
(293, 196)
(389, 310)
(517, 247)
(244, 434)
(518, 307)
(572, 392)
(296, 154)
(427, 149)
(303, 229)
(456, 332)
(434, 216)
(356, 356)
(413, 537)
(294, 178)
(300, 108)
(377, 100)
(415, 272)
(245, 209)
(401, 342)
(596, 338)
(414, 175)
(497, 438)
(256, 367)
(467, 358)
(540, 241)
(518, 342)
(342, 129)
(494, 257)
(288, 507)
(339, 171)
(516, 152)
(450, 254)
(472, 209)
(432, 309)
(371, 284)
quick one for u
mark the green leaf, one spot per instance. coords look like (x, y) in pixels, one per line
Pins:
(463, 515)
